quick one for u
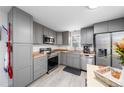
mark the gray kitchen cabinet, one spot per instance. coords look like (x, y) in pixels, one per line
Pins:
(22, 26)
(86, 60)
(22, 64)
(59, 38)
(40, 66)
(73, 60)
(66, 38)
(101, 27)
(89, 39)
(46, 31)
(22, 77)
(21, 39)
(38, 33)
(69, 60)
(76, 61)
(87, 35)
(34, 33)
(116, 25)
(83, 36)
(63, 58)
(51, 33)
(55, 36)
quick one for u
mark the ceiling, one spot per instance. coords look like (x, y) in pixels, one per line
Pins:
(63, 18)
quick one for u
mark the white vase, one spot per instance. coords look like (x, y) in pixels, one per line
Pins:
(122, 76)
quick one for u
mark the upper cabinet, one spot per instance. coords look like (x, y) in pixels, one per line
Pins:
(59, 38)
(87, 35)
(66, 37)
(63, 38)
(55, 36)
(37, 33)
(83, 36)
(116, 25)
(22, 26)
(90, 31)
(109, 26)
(46, 31)
(101, 27)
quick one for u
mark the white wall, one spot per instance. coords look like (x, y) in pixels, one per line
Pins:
(3, 75)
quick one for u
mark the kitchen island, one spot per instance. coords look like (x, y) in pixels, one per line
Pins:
(92, 81)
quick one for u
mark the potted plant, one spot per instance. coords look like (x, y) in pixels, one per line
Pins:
(119, 49)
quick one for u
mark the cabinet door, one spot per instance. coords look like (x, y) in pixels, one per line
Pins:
(22, 27)
(21, 78)
(116, 25)
(34, 33)
(55, 37)
(89, 35)
(83, 63)
(39, 34)
(46, 31)
(40, 66)
(22, 64)
(65, 36)
(59, 38)
(83, 36)
(69, 60)
(44, 65)
(101, 27)
(63, 58)
(76, 61)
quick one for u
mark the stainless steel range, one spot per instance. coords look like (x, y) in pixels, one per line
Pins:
(52, 61)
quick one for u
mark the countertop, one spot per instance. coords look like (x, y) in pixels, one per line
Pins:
(92, 81)
(36, 54)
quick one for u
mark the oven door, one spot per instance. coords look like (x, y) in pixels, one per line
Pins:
(52, 62)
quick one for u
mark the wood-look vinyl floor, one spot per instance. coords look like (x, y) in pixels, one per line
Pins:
(60, 78)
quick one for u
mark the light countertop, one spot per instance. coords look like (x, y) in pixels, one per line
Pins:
(36, 54)
(92, 81)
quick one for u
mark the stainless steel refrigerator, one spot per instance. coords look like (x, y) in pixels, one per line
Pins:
(105, 54)
(103, 49)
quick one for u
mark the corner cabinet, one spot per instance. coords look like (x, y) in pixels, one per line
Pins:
(87, 35)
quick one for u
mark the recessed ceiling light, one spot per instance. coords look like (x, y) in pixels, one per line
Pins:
(92, 7)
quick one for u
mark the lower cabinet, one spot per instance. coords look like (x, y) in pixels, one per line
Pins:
(73, 60)
(63, 58)
(86, 60)
(40, 66)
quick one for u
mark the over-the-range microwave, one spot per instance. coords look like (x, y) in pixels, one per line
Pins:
(48, 39)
